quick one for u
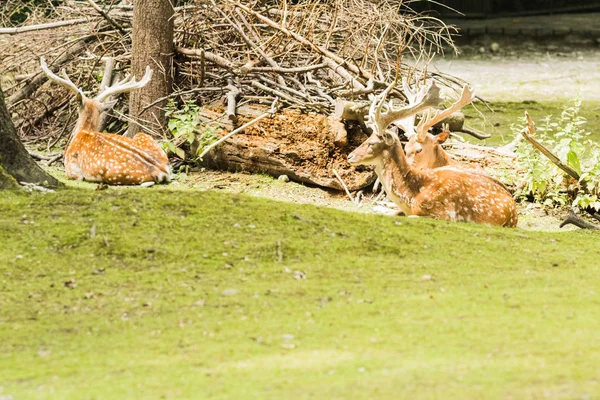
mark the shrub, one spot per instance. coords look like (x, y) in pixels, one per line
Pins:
(539, 180)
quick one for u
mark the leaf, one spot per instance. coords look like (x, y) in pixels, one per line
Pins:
(573, 161)
(191, 137)
(180, 153)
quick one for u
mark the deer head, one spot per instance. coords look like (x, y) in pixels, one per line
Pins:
(370, 151)
(423, 150)
(428, 152)
(90, 109)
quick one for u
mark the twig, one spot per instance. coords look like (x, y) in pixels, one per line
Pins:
(293, 70)
(42, 157)
(207, 55)
(107, 17)
(269, 112)
(339, 178)
(39, 27)
(181, 93)
(277, 93)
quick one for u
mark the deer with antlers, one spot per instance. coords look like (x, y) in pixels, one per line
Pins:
(445, 193)
(105, 157)
(424, 150)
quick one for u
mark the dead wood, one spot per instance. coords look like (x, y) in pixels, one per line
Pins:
(40, 78)
(41, 27)
(301, 146)
(528, 135)
(308, 54)
(573, 219)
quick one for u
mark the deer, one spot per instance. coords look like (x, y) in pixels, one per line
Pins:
(109, 158)
(445, 193)
(424, 150)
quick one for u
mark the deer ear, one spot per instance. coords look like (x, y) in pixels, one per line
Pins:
(442, 137)
(388, 138)
(79, 98)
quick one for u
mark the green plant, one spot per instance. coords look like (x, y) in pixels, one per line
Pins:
(184, 126)
(537, 178)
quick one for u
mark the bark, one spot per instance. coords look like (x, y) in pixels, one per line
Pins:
(152, 39)
(7, 181)
(15, 161)
(305, 147)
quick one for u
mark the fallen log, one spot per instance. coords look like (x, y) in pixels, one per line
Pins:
(305, 147)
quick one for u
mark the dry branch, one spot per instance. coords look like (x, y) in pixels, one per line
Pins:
(545, 151)
(39, 80)
(40, 27)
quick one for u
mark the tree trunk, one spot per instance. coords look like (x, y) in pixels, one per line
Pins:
(15, 161)
(152, 39)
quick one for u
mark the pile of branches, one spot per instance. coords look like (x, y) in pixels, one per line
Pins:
(306, 53)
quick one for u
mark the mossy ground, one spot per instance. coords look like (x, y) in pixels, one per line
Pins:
(155, 293)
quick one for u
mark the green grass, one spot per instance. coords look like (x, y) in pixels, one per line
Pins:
(506, 113)
(159, 294)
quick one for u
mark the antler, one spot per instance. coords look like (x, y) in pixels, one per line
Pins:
(414, 97)
(428, 97)
(428, 121)
(126, 85)
(65, 81)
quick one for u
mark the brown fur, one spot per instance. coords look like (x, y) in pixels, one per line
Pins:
(109, 158)
(445, 193)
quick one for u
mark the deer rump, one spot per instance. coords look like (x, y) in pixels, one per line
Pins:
(456, 195)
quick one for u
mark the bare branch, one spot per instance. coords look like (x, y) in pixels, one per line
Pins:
(40, 27)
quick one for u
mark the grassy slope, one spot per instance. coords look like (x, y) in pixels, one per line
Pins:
(139, 306)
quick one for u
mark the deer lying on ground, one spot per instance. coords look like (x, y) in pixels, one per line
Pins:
(445, 193)
(105, 157)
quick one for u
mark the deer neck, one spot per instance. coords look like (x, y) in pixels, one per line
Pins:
(89, 118)
(442, 158)
(401, 182)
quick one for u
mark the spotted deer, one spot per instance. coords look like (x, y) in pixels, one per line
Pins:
(445, 193)
(424, 150)
(106, 157)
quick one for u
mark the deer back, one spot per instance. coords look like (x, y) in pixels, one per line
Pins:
(455, 195)
(115, 159)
